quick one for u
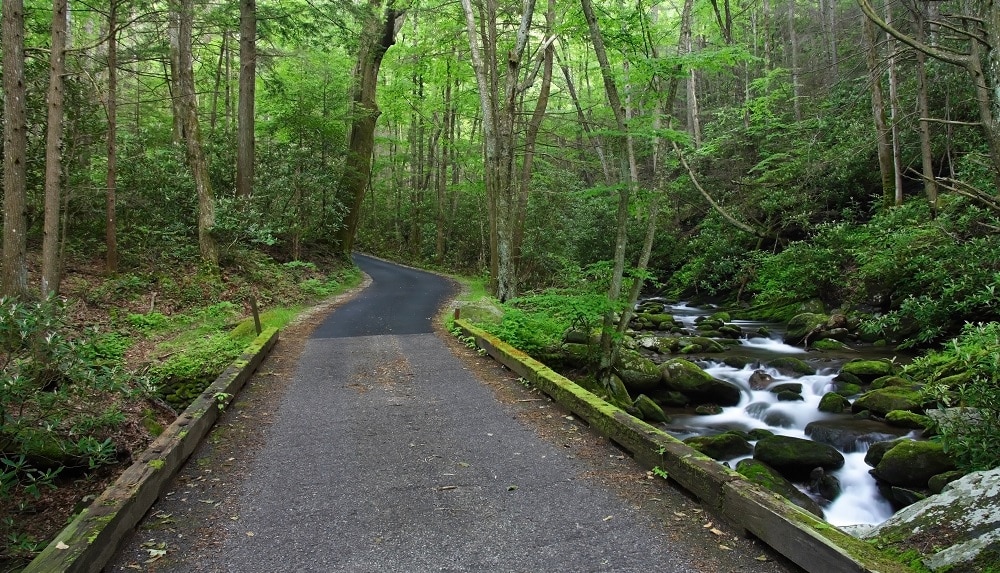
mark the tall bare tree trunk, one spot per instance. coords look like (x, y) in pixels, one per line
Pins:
(499, 111)
(53, 153)
(378, 36)
(111, 179)
(630, 177)
(923, 108)
(793, 46)
(882, 130)
(531, 135)
(197, 161)
(245, 111)
(15, 133)
(894, 115)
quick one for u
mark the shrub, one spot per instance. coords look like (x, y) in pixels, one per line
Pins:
(966, 372)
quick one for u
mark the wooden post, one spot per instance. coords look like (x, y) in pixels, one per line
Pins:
(458, 313)
(256, 314)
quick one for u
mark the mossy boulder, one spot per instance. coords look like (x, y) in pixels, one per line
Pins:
(708, 410)
(789, 396)
(738, 361)
(702, 343)
(759, 434)
(667, 344)
(911, 420)
(936, 483)
(833, 403)
(617, 393)
(829, 344)
(482, 311)
(912, 464)
(721, 316)
(794, 387)
(889, 381)
(576, 355)
(651, 307)
(803, 326)
(761, 474)
(847, 378)
(721, 446)
(790, 366)
(658, 320)
(884, 400)
(639, 373)
(651, 411)
(795, 458)
(867, 371)
(698, 386)
(877, 450)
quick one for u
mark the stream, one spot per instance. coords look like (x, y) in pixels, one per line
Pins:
(860, 501)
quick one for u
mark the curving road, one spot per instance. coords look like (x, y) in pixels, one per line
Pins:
(387, 454)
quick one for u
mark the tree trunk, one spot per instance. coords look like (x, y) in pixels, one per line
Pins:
(197, 161)
(531, 135)
(53, 155)
(378, 36)
(882, 130)
(894, 116)
(245, 111)
(923, 108)
(15, 131)
(793, 46)
(499, 111)
(111, 179)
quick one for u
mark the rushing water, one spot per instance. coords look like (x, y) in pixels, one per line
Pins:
(860, 501)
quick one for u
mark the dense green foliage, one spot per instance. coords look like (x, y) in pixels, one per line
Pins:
(966, 373)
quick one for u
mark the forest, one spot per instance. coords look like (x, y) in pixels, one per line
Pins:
(166, 162)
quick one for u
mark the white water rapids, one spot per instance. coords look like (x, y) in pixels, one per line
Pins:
(860, 501)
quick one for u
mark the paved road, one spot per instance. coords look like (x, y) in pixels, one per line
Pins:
(388, 455)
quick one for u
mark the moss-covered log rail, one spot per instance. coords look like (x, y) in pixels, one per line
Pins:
(92, 538)
(812, 543)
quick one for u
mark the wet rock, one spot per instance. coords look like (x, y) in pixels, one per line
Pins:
(833, 403)
(721, 446)
(704, 343)
(847, 378)
(829, 345)
(759, 434)
(708, 410)
(667, 344)
(778, 419)
(962, 521)
(760, 380)
(912, 464)
(867, 371)
(904, 419)
(737, 361)
(936, 483)
(789, 396)
(902, 497)
(731, 331)
(838, 334)
(850, 435)
(657, 320)
(804, 326)
(651, 307)
(639, 373)
(697, 385)
(721, 316)
(793, 387)
(882, 401)
(795, 458)
(846, 389)
(877, 450)
(791, 366)
(761, 474)
(824, 484)
(651, 411)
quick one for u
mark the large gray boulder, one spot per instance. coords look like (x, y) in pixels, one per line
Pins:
(482, 311)
(698, 386)
(962, 521)
(805, 326)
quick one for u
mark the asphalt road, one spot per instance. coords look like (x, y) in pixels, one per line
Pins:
(388, 454)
